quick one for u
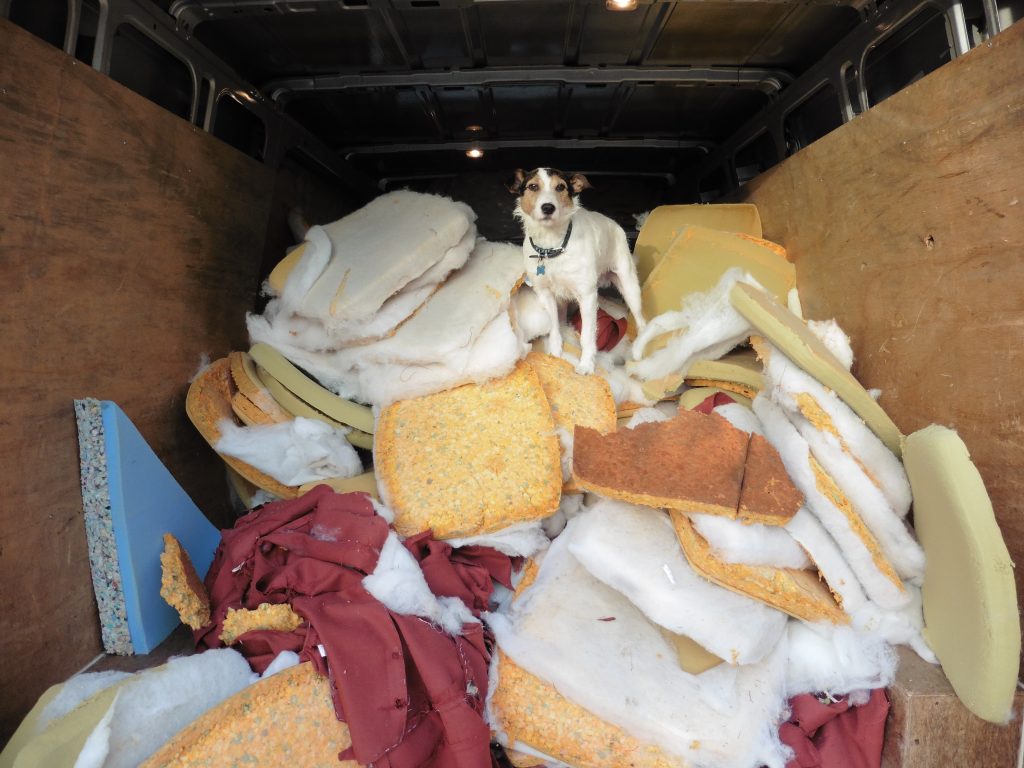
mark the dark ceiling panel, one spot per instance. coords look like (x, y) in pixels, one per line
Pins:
(663, 110)
(437, 36)
(365, 117)
(715, 33)
(609, 36)
(526, 110)
(524, 32)
(804, 36)
(464, 107)
(588, 109)
(262, 48)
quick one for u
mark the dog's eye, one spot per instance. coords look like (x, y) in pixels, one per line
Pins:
(560, 188)
(533, 187)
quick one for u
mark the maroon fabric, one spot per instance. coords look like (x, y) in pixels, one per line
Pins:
(609, 330)
(836, 735)
(411, 695)
(708, 404)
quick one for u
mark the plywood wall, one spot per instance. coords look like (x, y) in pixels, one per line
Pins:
(130, 245)
(907, 226)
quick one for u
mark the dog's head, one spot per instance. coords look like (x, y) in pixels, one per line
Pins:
(547, 197)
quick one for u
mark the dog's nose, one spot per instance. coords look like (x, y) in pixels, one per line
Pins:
(547, 209)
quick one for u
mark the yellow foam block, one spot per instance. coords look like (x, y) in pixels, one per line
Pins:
(531, 712)
(365, 483)
(180, 585)
(279, 274)
(209, 402)
(801, 594)
(278, 617)
(302, 386)
(286, 719)
(470, 460)
(970, 600)
(666, 222)
(789, 333)
(699, 257)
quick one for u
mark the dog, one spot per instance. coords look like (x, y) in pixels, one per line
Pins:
(569, 251)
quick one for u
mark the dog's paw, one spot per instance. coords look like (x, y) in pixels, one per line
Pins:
(585, 368)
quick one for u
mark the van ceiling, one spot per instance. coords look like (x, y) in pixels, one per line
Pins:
(406, 87)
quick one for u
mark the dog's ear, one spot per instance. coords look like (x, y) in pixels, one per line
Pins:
(515, 186)
(578, 182)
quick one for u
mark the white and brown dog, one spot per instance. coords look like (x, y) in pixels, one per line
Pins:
(568, 251)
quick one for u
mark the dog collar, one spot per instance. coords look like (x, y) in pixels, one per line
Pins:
(550, 253)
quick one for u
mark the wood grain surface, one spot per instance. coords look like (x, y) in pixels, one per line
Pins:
(130, 244)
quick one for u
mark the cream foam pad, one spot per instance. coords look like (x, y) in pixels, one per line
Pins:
(665, 222)
(738, 372)
(789, 333)
(279, 274)
(691, 398)
(698, 258)
(290, 713)
(209, 402)
(296, 406)
(302, 386)
(243, 373)
(970, 601)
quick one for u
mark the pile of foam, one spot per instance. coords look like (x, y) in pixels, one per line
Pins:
(397, 300)
(628, 675)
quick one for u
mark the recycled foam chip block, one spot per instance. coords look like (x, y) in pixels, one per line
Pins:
(181, 586)
(471, 460)
(665, 223)
(207, 403)
(530, 712)
(787, 332)
(799, 593)
(408, 232)
(266, 616)
(970, 600)
(727, 716)
(130, 500)
(272, 361)
(634, 551)
(697, 259)
(288, 714)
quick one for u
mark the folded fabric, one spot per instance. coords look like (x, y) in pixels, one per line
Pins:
(390, 673)
(836, 734)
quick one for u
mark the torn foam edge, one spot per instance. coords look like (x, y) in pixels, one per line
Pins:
(834, 339)
(99, 529)
(837, 660)
(787, 382)
(708, 325)
(629, 659)
(796, 457)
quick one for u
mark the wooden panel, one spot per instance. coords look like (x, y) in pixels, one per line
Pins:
(907, 226)
(929, 727)
(129, 246)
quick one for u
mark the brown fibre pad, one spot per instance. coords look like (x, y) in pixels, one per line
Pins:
(970, 601)
(266, 616)
(181, 586)
(364, 483)
(664, 224)
(801, 594)
(789, 333)
(243, 373)
(694, 461)
(296, 406)
(532, 713)
(470, 460)
(207, 403)
(286, 719)
(696, 261)
(302, 386)
(575, 400)
(738, 372)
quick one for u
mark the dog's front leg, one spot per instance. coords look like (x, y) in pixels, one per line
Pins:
(588, 333)
(554, 344)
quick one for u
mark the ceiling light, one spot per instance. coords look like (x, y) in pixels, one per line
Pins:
(620, 5)
(475, 153)
(474, 128)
